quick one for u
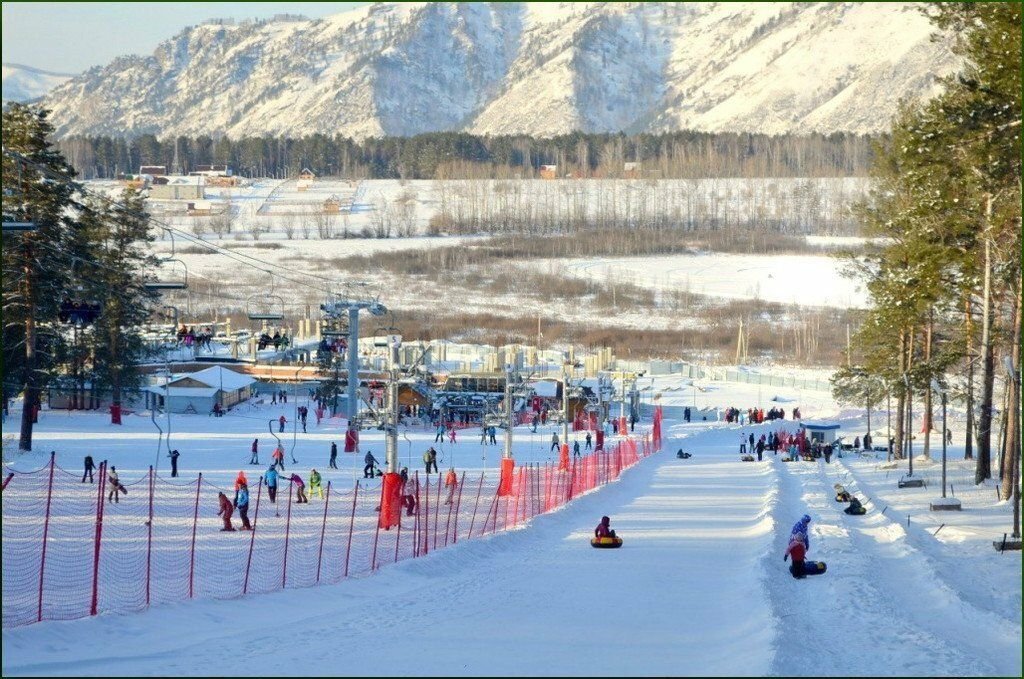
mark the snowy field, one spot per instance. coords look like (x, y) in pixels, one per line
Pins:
(698, 588)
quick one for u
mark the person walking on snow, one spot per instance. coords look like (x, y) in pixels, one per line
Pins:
(278, 457)
(439, 436)
(451, 435)
(226, 510)
(589, 439)
(743, 443)
(89, 467)
(430, 460)
(115, 486)
(255, 459)
(797, 550)
(576, 449)
(451, 482)
(334, 455)
(314, 484)
(174, 462)
(554, 441)
(281, 420)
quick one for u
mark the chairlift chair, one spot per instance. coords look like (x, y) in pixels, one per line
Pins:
(270, 307)
(177, 281)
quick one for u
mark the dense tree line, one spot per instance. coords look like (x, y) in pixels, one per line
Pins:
(459, 155)
(946, 290)
(86, 254)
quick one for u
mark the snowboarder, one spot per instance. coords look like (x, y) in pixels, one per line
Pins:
(314, 484)
(855, 506)
(554, 441)
(797, 550)
(334, 455)
(271, 478)
(370, 461)
(603, 529)
(174, 462)
(226, 510)
(243, 506)
(89, 466)
(115, 486)
(255, 459)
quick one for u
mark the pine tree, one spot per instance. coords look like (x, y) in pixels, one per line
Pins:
(38, 187)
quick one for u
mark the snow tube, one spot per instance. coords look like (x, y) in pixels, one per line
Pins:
(814, 567)
(856, 511)
(606, 543)
(747, 458)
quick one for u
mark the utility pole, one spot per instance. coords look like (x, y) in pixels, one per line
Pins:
(391, 422)
(565, 404)
(509, 413)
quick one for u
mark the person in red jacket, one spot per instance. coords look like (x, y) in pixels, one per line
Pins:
(226, 510)
(603, 529)
(797, 550)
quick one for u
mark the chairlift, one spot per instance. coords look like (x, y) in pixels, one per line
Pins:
(268, 307)
(177, 278)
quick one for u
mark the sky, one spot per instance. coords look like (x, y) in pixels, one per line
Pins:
(72, 37)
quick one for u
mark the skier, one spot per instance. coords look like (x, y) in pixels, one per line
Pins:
(589, 439)
(278, 457)
(554, 441)
(243, 506)
(797, 550)
(174, 462)
(281, 420)
(451, 482)
(575, 449)
(759, 448)
(271, 478)
(314, 484)
(334, 455)
(89, 466)
(226, 510)
(439, 436)
(255, 459)
(370, 461)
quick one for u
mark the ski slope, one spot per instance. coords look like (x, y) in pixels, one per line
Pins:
(699, 587)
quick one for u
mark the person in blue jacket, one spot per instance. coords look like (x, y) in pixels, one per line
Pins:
(243, 506)
(271, 479)
(800, 531)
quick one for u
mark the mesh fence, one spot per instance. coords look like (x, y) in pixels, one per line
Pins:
(73, 549)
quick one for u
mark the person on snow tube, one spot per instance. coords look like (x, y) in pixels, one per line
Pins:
(603, 529)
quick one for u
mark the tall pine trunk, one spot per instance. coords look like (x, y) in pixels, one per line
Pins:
(983, 469)
(969, 437)
(1010, 445)
(901, 398)
(928, 391)
(31, 391)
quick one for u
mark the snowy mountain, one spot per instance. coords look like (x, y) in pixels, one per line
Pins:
(540, 68)
(22, 83)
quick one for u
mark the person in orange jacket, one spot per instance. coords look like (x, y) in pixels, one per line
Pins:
(451, 481)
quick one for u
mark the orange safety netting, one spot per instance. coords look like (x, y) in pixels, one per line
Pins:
(73, 549)
(563, 458)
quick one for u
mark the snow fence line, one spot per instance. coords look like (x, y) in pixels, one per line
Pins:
(70, 551)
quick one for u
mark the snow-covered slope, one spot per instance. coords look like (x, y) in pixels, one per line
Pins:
(22, 83)
(544, 69)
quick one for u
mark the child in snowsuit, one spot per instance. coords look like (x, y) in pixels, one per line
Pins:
(115, 486)
(300, 489)
(603, 529)
(451, 482)
(800, 531)
(243, 506)
(314, 484)
(271, 478)
(226, 510)
(797, 550)
(554, 442)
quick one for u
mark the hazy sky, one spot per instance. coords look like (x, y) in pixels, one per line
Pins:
(71, 37)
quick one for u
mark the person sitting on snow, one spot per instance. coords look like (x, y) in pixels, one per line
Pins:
(855, 506)
(603, 529)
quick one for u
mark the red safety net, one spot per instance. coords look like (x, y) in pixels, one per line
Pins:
(563, 458)
(73, 549)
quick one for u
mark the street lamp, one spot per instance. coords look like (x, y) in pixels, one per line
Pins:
(944, 503)
(909, 481)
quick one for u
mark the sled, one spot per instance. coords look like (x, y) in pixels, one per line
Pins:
(606, 543)
(814, 567)
(859, 511)
(683, 456)
(747, 458)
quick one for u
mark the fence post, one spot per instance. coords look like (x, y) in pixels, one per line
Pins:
(494, 504)
(46, 530)
(376, 534)
(572, 482)
(458, 504)
(101, 487)
(480, 488)
(426, 516)
(398, 532)
(416, 519)
(437, 508)
(149, 538)
(351, 525)
(6, 481)
(252, 538)
(195, 521)
(519, 495)
(323, 529)
(287, 535)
